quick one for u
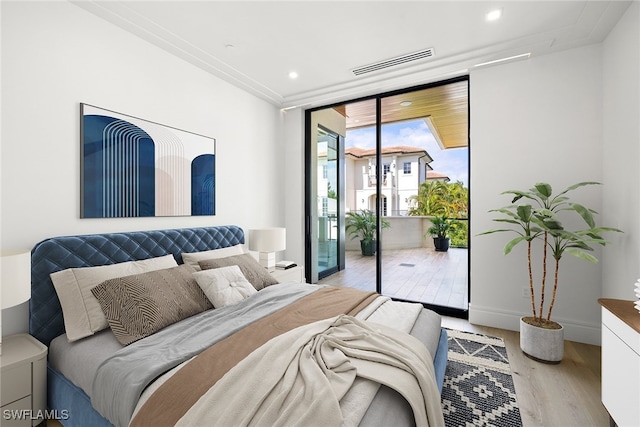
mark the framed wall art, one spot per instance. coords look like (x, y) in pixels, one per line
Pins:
(136, 168)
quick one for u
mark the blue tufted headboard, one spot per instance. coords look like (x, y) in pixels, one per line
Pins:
(59, 253)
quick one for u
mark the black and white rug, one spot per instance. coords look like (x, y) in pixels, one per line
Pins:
(478, 387)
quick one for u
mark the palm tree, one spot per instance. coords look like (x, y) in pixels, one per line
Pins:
(536, 217)
(437, 198)
(430, 199)
(459, 200)
(444, 199)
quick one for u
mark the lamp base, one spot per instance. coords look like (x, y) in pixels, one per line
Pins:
(268, 260)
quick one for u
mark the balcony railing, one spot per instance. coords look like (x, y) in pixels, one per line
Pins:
(405, 232)
(387, 181)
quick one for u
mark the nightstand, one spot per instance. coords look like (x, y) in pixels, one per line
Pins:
(293, 274)
(24, 380)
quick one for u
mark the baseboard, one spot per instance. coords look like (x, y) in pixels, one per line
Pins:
(510, 320)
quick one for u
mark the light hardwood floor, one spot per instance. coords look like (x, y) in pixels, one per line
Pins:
(562, 395)
(419, 274)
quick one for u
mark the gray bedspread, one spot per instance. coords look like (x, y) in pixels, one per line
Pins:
(121, 378)
(78, 361)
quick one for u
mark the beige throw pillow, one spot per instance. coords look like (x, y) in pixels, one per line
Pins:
(224, 286)
(192, 258)
(81, 311)
(256, 274)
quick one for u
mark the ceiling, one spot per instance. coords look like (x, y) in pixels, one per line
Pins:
(444, 108)
(256, 44)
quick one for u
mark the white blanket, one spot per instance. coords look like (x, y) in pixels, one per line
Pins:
(383, 311)
(299, 377)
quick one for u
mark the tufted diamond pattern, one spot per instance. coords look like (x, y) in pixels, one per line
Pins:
(59, 253)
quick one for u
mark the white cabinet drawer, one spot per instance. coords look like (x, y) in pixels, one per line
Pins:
(16, 383)
(17, 414)
(620, 379)
(293, 274)
(622, 330)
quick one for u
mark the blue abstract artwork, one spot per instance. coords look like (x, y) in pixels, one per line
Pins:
(136, 168)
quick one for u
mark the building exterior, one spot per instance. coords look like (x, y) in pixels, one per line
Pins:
(436, 176)
(404, 169)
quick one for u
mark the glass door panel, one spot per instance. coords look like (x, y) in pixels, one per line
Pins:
(324, 198)
(327, 206)
(361, 193)
(425, 157)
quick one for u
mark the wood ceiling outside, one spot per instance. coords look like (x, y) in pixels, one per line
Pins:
(446, 105)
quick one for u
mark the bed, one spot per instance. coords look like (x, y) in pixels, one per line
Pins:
(220, 359)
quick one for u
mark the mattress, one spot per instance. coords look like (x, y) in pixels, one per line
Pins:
(79, 360)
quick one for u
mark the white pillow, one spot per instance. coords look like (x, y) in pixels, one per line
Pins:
(80, 309)
(224, 286)
(192, 258)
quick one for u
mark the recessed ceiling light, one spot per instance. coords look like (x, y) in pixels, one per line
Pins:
(293, 75)
(494, 15)
(405, 103)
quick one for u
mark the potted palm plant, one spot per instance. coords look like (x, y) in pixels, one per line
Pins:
(534, 216)
(363, 224)
(440, 228)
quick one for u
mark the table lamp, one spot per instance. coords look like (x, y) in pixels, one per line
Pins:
(15, 271)
(268, 241)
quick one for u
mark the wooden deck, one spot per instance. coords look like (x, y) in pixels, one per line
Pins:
(421, 275)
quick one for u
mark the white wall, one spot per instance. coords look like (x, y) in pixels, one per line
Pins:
(56, 55)
(560, 118)
(535, 120)
(582, 105)
(621, 154)
(293, 185)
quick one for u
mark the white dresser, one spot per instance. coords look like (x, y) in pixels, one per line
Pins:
(621, 361)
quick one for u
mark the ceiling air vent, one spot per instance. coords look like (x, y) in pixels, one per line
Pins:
(422, 54)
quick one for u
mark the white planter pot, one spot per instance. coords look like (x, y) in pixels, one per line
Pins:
(542, 344)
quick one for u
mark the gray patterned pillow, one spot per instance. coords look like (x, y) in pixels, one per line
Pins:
(256, 274)
(139, 305)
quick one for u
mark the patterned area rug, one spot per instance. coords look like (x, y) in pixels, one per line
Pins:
(478, 387)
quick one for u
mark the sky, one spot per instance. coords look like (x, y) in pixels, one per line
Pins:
(416, 133)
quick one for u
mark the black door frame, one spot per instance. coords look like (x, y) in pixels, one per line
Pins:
(443, 310)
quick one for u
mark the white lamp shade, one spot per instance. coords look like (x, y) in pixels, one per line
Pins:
(15, 271)
(268, 239)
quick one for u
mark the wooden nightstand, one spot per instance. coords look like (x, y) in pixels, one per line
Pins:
(293, 274)
(24, 380)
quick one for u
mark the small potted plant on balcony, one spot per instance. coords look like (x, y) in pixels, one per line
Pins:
(363, 224)
(533, 216)
(440, 228)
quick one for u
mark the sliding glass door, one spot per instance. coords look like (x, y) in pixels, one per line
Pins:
(425, 179)
(402, 160)
(325, 196)
(327, 206)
